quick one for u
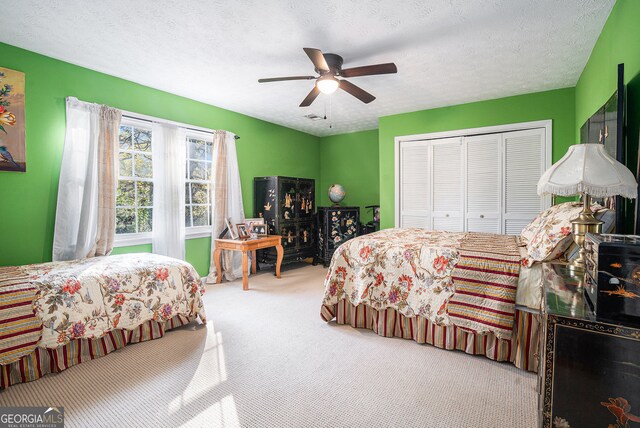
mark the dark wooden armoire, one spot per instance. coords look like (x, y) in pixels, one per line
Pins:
(287, 205)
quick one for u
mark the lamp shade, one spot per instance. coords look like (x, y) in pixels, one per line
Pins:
(588, 168)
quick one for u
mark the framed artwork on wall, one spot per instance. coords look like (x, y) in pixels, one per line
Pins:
(13, 151)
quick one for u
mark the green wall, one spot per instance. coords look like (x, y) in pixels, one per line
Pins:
(557, 105)
(352, 161)
(28, 201)
(619, 42)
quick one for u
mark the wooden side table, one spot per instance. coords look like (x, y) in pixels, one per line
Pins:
(246, 246)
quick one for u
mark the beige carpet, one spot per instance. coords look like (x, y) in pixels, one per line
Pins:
(266, 359)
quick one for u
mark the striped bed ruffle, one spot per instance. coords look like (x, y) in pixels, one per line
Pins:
(521, 349)
(42, 361)
(20, 327)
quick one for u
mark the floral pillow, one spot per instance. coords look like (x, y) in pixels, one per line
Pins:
(548, 236)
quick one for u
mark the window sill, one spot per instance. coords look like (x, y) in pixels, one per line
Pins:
(131, 239)
(198, 232)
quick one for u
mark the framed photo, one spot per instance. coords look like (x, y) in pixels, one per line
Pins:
(243, 232)
(259, 229)
(251, 221)
(232, 230)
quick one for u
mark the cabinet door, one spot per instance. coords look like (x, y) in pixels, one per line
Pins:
(288, 190)
(288, 232)
(524, 164)
(343, 226)
(264, 198)
(611, 126)
(414, 182)
(483, 183)
(305, 235)
(447, 184)
(305, 199)
(596, 127)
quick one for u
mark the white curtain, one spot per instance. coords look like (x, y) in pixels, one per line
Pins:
(169, 156)
(85, 213)
(226, 197)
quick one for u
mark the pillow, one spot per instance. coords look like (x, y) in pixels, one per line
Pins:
(549, 234)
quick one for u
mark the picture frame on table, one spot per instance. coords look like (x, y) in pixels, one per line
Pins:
(251, 221)
(259, 229)
(243, 232)
(233, 233)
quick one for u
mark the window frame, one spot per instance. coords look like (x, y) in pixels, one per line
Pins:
(135, 238)
(198, 231)
(144, 121)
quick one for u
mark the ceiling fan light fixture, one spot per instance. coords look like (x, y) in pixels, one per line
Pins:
(327, 85)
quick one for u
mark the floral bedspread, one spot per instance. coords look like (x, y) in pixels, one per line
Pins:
(405, 269)
(88, 298)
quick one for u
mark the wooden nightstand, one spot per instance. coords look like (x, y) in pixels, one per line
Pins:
(585, 362)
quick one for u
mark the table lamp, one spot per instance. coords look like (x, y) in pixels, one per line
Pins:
(587, 169)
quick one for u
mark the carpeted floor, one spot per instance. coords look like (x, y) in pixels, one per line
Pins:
(266, 359)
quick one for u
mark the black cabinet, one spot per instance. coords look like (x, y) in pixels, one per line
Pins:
(287, 205)
(335, 226)
(589, 368)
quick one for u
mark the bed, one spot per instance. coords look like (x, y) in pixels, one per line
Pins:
(478, 293)
(55, 315)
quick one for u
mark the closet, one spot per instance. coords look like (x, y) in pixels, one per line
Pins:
(476, 183)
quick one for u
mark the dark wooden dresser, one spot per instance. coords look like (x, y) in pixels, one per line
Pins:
(336, 225)
(589, 373)
(287, 205)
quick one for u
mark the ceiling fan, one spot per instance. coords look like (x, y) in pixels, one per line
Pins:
(329, 68)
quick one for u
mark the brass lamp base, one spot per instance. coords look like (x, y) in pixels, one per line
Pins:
(580, 226)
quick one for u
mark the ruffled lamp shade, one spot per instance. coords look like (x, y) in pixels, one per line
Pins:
(588, 168)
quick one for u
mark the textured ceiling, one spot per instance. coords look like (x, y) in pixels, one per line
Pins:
(447, 51)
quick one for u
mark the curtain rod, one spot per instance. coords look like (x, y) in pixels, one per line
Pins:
(155, 121)
(151, 119)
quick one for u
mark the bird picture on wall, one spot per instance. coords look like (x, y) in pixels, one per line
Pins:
(12, 121)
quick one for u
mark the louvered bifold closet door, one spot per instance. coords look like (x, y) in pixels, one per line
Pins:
(483, 164)
(524, 163)
(415, 208)
(447, 184)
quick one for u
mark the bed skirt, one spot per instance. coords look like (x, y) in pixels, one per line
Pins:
(521, 349)
(43, 361)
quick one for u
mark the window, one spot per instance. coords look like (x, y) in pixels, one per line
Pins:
(198, 179)
(134, 198)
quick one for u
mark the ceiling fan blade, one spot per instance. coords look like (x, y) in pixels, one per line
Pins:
(369, 70)
(316, 57)
(280, 79)
(311, 97)
(357, 92)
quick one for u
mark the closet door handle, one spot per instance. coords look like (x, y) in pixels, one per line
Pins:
(481, 215)
(446, 215)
